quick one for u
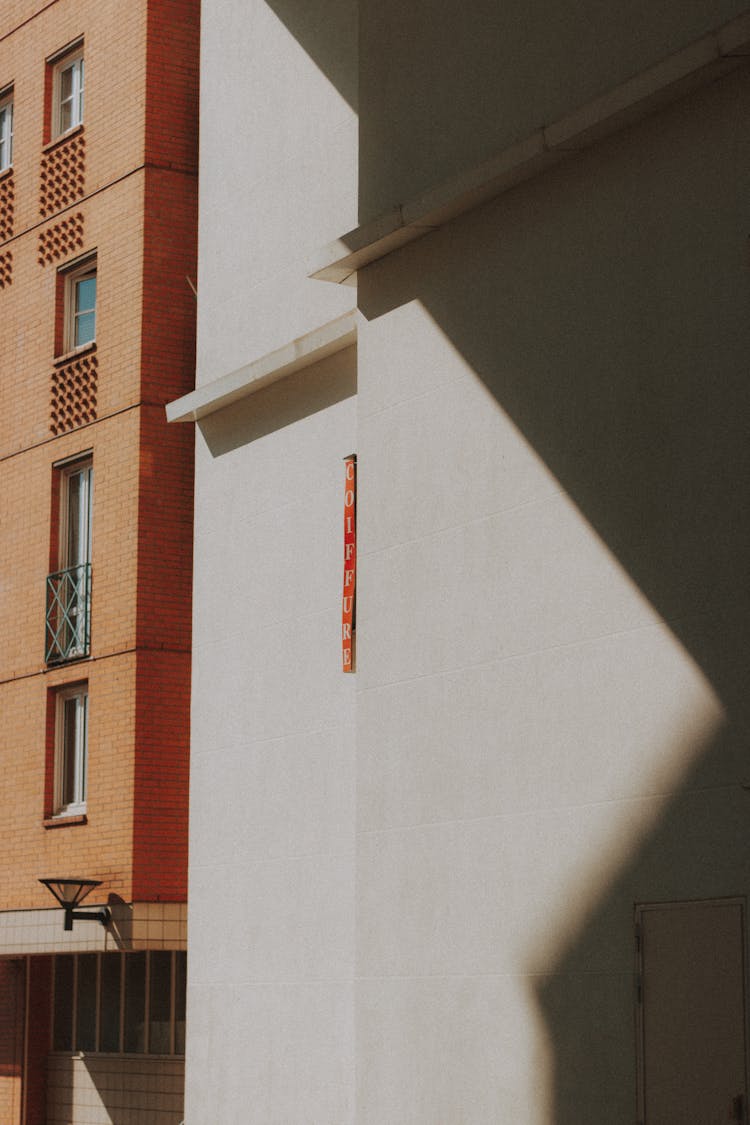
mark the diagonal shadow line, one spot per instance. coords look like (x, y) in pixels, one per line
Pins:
(581, 319)
(327, 30)
(604, 308)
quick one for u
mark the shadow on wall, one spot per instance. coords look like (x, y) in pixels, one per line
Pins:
(327, 30)
(605, 311)
(121, 924)
(604, 307)
(697, 851)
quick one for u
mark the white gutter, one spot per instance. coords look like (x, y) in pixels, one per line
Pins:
(702, 62)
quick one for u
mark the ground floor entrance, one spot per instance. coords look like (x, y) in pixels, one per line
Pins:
(92, 1036)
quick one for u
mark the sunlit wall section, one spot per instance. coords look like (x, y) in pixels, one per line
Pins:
(270, 985)
(278, 171)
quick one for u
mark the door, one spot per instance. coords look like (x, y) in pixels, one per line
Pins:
(692, 1013)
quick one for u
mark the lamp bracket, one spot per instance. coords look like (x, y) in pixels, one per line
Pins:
(102, 914)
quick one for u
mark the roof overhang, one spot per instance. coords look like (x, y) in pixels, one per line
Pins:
(700, 63)
(303, 352)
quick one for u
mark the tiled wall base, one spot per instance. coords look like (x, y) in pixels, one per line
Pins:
(114, 1090)
(136, 925)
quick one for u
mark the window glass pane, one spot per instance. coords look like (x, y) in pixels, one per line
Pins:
(109, 1012)
(85, 330)
(85, 294)
(82, 749)
(70, 741)
(85, 1039)
(180, 972)
(135, 1003)
(66, 82)
(62, 1035)
(6, 136)
(84, 311)
(66, 116)
(160, 997)
(75, 508)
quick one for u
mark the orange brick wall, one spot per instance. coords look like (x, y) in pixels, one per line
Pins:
(169, 306)
(172, 84)
(103, 847)
(165, 521)
(137, 156)
(160, 818)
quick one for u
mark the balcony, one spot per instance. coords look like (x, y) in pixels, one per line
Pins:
(68, 632)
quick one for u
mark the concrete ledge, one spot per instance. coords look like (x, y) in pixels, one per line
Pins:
(302, 352)
(699, 64)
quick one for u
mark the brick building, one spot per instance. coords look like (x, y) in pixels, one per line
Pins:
(98, 149)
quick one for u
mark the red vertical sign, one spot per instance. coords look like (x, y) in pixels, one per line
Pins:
(348, 619)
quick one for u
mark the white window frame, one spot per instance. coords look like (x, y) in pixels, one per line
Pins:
(71, 60)
(6, 130)
(84, 271)
(73, 803)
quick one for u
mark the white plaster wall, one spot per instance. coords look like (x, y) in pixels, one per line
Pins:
(278, 171)
(551, 708)
(416, 907)
(271, 923)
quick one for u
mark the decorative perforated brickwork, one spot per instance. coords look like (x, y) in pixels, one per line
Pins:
(60, 240)
(62, 178)
(73, 394)
(6, 269)
(7, 204)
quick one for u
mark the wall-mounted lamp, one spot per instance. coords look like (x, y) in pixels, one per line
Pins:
(69, 893)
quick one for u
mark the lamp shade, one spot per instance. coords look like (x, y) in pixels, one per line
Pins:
(70, 891)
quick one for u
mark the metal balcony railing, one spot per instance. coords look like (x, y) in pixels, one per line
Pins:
(68, 632)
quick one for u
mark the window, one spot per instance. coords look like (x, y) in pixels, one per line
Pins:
(68, 632)
(6, 130)
(75, 326)
(80, 306)
(71, 750)
(67, 91)
(131, 1003)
